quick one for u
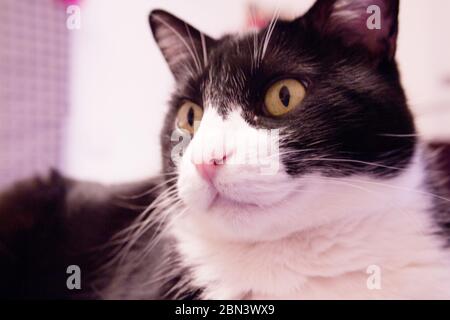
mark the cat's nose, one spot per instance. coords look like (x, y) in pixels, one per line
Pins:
(208, 169)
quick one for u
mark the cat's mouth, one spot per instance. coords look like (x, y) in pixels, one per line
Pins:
(249, 196)
(220, 200)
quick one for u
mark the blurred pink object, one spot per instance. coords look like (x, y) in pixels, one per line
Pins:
(69, 2)
(256, 18)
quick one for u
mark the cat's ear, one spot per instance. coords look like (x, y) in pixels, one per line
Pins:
(184, 47)
(371, 23)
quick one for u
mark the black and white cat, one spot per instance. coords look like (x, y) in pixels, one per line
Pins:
(349, 189)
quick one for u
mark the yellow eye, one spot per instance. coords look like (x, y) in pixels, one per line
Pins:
(284, 96)
(189, 116)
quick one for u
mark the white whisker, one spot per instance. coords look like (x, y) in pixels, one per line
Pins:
(269, 32)
(204, 48)
(197, 58)
(181, 38)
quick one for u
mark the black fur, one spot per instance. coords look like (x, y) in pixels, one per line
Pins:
(355, 108)
(438, 184)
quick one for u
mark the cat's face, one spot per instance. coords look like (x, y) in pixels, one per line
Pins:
(274, 125)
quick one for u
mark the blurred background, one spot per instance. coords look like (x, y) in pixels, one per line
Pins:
(83, 87)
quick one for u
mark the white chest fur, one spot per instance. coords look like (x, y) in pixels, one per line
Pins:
(391, 238)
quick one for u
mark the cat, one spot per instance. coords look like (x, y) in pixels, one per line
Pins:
(348, 203)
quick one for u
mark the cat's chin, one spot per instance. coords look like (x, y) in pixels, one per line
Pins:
(221, 201)
(232, 199)
(218, 216)
(228, 220)
(213, 203)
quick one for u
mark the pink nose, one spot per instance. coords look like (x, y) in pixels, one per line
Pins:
(208, 170)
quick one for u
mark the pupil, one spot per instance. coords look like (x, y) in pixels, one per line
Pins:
(190, 117)
(285, 96)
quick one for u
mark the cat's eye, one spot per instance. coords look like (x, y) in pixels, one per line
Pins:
(283, 96)
(189, 116)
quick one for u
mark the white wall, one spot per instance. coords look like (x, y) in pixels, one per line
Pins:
(424, 58)
(120, 83)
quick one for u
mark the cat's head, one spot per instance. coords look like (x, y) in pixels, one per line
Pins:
(274, 125)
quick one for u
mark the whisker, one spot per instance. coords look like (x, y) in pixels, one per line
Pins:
(160, 233)
(122, 257)
(181, 38)
(405, 189)
(161, 199)
(255, 40)
(399, 135)
(350, 161)
(197, 58)
(204, 48)
(140, 195)
(269, 32)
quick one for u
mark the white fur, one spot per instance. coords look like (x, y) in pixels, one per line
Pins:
(309, 237)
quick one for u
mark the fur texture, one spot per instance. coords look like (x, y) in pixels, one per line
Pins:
(352, 187)
(348, 188)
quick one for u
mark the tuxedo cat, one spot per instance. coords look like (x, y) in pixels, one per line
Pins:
(348, 204)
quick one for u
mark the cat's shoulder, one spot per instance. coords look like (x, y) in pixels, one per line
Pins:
(50, 221)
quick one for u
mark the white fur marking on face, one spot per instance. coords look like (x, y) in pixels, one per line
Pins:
(247, 176)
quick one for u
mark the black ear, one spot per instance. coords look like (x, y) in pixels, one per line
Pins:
(184, 47)
(371, 23)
